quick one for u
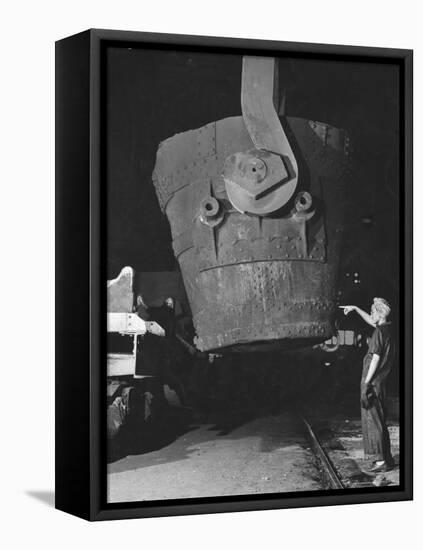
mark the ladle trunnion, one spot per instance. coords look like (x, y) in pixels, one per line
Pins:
(256, 206)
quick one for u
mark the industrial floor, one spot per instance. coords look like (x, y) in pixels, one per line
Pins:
(239, 455)
(264, 455)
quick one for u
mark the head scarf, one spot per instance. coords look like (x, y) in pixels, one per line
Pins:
(382, 306)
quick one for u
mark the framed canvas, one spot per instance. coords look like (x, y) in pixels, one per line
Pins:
(234, 274)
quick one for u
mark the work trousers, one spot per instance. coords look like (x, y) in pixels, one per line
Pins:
(376, 442)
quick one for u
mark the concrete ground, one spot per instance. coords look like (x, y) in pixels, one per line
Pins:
(349, 434)
(237, 457)
(342, 440)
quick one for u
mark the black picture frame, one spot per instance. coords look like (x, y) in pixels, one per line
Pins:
(80, 268)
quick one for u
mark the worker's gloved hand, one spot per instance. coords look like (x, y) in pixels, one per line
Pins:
(366, 395)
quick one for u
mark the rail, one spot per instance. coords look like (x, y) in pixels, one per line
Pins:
(334, 480)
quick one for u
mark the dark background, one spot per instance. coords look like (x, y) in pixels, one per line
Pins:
(152, 95)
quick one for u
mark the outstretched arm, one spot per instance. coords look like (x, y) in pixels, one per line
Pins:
(364, 315)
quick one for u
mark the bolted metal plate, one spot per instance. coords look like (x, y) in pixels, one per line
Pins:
(255, 172)
(257, 182)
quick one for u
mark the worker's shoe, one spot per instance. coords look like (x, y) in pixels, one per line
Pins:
(384, 467)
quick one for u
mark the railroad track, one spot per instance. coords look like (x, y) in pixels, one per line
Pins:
(331, 475)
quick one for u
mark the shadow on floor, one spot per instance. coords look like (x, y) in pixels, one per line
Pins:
(46, 497)
(150, 438)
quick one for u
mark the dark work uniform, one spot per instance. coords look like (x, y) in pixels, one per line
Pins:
(154, 352)
(148, 358)
(171, 352)
(375, 432)
(165, 316)
(148, 370)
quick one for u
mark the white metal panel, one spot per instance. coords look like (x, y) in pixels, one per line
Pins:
(120, 364)
(128, 323)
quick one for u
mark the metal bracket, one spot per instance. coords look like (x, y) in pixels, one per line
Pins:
(263, 124)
